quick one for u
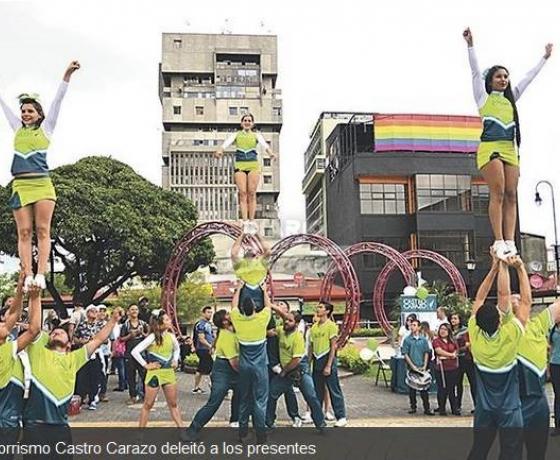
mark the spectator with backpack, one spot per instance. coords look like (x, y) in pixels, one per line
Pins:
(203, 341)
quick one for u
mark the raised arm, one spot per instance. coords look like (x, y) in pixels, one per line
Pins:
(104, 333)
(236, 249)
(479, 91)
(13, 120)
(235, 299)
(52, 115)
(275, 308)
(34, 327)
(265, 246)
(504, 288)
(526, 300)
(530, 76)
(485, 286)
(14, 313)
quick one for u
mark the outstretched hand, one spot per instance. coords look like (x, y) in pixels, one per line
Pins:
(72, 67)
(467, 35)
(515, 262)
(548, 50)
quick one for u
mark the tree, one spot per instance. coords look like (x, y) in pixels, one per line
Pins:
(7, 286)
(448, 298)
(111, 225)
(193, 294)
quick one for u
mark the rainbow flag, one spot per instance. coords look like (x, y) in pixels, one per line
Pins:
(426, 133)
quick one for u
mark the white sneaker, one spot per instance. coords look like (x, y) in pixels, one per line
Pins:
(499, 247)
(297, 423)
(40, 281)
(234, 425)
(341, 422)
(329, 416)
(307, 420)
(277, 369)
(28, 282)
(511, 248)
(247, 227)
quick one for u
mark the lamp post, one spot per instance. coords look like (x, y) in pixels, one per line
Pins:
(471, 267)
(538, 201)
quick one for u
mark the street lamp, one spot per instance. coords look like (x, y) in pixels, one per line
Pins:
(471, 267)
(538, 202)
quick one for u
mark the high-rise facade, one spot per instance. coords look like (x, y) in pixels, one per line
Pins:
(207, 83)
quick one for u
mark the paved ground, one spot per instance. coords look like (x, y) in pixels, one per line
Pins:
(367, 405)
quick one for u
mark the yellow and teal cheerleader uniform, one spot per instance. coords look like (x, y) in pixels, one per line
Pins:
(29, 166)
(164, 354)
(11, 386)
(246, 156)
(497, 140)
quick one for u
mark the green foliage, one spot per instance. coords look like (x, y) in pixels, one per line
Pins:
(110, 225)
(192, 295)
(60, 284)
(191, 360)
(349, 357)
(371, 332)
(448, 298)
(7, 286)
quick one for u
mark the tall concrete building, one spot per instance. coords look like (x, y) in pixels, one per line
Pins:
(315, 163)
(207, 82)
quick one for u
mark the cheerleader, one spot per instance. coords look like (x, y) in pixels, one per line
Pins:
(247, 172)
(497, 156)
(33, 195)
(162, 358)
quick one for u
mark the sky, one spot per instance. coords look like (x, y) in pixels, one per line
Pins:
(400, 56)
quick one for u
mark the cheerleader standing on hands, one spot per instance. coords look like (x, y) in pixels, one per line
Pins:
(498, 156)
(33, 195)
(247, 173)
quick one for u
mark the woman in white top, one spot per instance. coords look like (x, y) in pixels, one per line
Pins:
(162, 358)
(247, 173)
(498, 152)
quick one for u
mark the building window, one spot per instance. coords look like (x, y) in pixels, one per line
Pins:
(177, 43)
(267, 231)
(377, 261)
(480, 199)
(457, 246)
(233, 111)
(266, 162)
(382, 199)
(277, 111)
(176, 110)
(244, 110)
(443, 193)
(199, 110)
(267, 178)
(482, 243)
